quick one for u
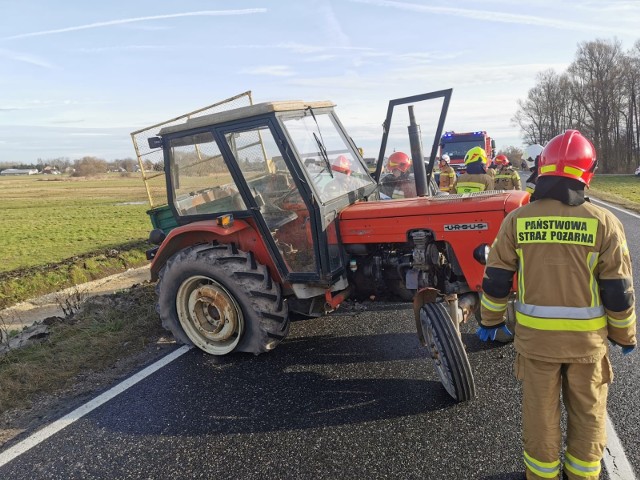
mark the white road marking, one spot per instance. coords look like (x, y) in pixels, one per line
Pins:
(608, 205)
(615, 460)
(46, 432)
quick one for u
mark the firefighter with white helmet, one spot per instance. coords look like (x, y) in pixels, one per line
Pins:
(476, 178)
(447, 175)
(575, 292)
(532, 156)
(506, 176)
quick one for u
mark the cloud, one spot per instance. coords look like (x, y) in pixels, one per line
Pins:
(25, 58)
(500, 17)
(334, 30)
(123, 48)
(89, 134)
(122, 21)
(270, 70)
(300, 47)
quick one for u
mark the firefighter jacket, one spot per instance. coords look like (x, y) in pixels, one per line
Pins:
(507, 179)
(447, 179)
(473, 182)
(403, 186)
(574, 281)
(531, 182)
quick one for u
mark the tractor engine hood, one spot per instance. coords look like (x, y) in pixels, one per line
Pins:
(473, 214)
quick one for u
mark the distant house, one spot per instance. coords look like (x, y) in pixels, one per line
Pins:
(50, 170)
(19, 171)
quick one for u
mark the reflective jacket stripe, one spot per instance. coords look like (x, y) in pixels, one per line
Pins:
(493, 306)
(565, 324)
(622, 323)
(573, 313)
(592, 261)
(542, 469)
(580, 467)
(470, 187)
(587, 319)
(520, 275)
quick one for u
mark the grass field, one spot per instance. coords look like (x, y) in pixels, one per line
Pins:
(622, 189)
(48, 219)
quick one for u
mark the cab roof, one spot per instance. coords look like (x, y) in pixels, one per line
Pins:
(244, 112)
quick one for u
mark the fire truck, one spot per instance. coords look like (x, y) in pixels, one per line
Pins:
(457, 144)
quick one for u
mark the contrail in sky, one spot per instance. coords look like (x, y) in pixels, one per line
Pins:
(493, 16)
(204, 13)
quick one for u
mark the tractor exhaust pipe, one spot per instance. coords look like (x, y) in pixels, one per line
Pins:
(417, 157)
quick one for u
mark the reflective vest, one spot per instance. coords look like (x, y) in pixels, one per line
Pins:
(507, 179)
(474, 182)
(447, 179)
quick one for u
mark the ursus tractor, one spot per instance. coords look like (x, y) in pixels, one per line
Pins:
(272, 213)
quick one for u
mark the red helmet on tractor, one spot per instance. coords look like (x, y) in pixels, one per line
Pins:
(342, 165)
(569, 155)
(502, 159)
(399, 161)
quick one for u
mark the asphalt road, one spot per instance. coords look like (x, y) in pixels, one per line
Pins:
(352, 395)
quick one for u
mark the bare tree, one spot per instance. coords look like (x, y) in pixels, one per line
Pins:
(597, 84)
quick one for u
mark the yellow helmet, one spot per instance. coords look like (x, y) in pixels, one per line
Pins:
(475, 154)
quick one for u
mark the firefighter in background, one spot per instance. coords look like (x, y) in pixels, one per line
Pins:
(491, 170)
(476, 178)
(506, 177)
(399, 182)
(342, 181)
(532, 157)
(575, 291)
(448, 176)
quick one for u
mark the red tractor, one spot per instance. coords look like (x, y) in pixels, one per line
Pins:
(272, 213)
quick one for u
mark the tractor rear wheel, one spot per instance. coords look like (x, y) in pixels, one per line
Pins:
(221, 300)
(447, 351)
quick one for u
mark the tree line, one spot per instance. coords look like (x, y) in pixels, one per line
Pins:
(598, 94)
(87, 165)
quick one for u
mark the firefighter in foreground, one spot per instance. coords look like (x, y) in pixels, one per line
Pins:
(398, 183)
(476, 178)
(448, 176)
(575, 291)
(506, 177)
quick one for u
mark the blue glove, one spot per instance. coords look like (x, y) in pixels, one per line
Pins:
(627, 349)
(488, 333)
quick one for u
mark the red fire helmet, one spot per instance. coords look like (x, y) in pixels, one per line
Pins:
(502, 159)
(569, 155)
(399, 161)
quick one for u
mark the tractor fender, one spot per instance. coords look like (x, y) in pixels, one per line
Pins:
(243, 233)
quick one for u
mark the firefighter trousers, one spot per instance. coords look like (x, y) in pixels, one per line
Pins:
(584, 388)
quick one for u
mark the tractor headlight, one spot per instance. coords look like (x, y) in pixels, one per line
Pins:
(481, 253)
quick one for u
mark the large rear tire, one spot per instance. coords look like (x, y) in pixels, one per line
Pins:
(221, 300)
(447, 351)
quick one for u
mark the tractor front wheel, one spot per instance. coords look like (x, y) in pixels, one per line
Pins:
(221, 300)
(447, 351)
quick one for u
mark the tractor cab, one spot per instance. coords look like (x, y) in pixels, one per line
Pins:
(286, 168)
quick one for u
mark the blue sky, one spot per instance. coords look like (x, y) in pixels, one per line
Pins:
(77, 77)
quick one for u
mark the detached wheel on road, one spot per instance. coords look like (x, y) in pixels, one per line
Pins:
(221, 300)
(447, 351)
